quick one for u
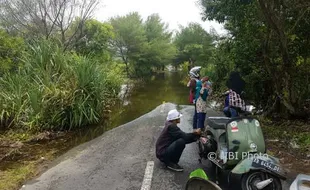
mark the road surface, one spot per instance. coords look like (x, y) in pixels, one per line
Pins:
(124, 158)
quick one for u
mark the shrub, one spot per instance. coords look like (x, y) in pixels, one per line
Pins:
(56, 90)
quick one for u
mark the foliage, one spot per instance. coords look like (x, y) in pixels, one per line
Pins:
(60, 19)
(194, 44)
(289, 132)
(94, 39)
(10, 51)
(13, 178)
(267, 43)
(160, 51)
(56, 90)
(130, 39)
(184, 69)
(142, 46)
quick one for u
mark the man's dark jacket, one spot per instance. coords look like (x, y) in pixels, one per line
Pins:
(171, 133)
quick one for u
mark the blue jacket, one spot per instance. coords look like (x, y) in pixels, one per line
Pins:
(198, 88)
(205, 94)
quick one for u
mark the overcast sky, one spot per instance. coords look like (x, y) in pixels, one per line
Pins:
(173, 12)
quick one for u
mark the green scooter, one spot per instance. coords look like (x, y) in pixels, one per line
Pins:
(237, 145)
(198, 180)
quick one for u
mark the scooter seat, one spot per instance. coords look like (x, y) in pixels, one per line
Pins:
(217, 122)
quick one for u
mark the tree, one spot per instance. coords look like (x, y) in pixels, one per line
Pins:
(130, 38)
(269, 46)
(48, 18)
(194, 44)
(142, 46)
(94, 39)
(161, 50)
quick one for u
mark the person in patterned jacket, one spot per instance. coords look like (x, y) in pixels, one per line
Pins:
(233, 103)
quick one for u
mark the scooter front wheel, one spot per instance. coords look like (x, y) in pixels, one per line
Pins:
(260, 180)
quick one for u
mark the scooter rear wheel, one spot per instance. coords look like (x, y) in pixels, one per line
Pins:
(249, 180)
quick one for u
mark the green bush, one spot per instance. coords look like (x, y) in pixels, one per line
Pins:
(56, 90)
(10, 51)
(184, 70)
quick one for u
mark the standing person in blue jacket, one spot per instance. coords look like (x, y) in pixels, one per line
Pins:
(202, 93)
(195, 72)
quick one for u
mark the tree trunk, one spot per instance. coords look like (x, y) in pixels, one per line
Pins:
(275, 24)
(127, 69)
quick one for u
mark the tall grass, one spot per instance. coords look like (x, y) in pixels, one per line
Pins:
(56, 90)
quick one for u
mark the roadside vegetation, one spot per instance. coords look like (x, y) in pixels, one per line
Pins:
(268, 44)
(61, 71)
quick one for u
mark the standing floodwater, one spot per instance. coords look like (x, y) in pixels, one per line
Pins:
(142, 98)
(138, 100)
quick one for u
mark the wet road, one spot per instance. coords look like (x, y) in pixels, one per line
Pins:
(117, 159)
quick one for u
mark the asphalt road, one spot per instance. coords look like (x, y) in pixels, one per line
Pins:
(117, 160)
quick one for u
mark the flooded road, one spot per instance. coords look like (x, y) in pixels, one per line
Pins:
(142, 98)
(118, 159)
(138, 99)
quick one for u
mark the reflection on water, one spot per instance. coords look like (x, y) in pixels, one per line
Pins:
(142, 98)
(139, 99)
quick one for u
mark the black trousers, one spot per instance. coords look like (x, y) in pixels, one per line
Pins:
(174, 152)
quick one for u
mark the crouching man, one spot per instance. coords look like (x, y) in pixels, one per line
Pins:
(172, 141)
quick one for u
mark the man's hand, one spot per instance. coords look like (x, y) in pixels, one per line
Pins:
(197, 131)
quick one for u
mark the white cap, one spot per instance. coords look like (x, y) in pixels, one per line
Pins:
(173, 114)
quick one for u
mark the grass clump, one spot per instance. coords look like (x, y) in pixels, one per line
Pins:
(56, 90)
(290, 132)
(12, 178)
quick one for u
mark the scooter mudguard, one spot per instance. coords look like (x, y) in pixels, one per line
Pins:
(264, 162)
(199, 180)
(199, 173)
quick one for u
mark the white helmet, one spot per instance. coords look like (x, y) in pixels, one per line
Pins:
(173, 114)
(194, 72)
